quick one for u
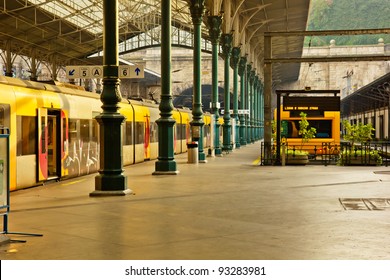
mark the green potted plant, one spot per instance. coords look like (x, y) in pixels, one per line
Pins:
(301, 156)
(358, 152)
(305, 130)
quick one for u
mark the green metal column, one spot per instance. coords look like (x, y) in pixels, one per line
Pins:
(258, 109)
(215, 31)
(226, 42)
(255, 95)
(234, 63)
(247, 101)
(197, 123)
(267, 99)
(262, 111)
(242, 73)
(252, 105)
(110, 180)
(166, 164)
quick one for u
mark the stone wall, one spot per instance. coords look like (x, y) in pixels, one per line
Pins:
(345, 76)
(182, 67)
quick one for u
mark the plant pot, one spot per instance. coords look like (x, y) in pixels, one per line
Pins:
(297, 160)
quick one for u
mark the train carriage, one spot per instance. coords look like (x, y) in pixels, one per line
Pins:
(54, 133)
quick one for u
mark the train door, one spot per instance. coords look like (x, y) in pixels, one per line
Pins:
(147, 137)
(64, 144)
(42, 144)
(49, 144)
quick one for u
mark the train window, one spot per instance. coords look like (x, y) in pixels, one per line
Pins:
(139, 132)
(26, 136)
(323, 128)
(178, 131)
(73, 130)
(94, 131)
(184, 134)
(43, 138)
(64, 136)
(4, 115)
(128, 133)
(153, 132)
(181, 132)
(84, 130)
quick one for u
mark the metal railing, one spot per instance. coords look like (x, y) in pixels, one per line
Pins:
(367, 153)
(370, 153)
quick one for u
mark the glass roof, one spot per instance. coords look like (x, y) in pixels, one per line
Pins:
(88, 14)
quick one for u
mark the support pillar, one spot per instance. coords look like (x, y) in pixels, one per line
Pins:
(215, 31)
(242, 73)
(226, 42)
(234, 63)
(8, 59)
(166, 164)
(34, 66)
(262, 111)
(247, 103)
(267, 98)
(110, 180)
(257, 109)
(252, 106)
(197, 123)
(255, 94)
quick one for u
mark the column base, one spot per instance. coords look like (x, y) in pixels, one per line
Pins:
(202, 158)
(166, 168)
(218, 152)
(110, 185)
(4, 239)
(110, 193)
(165, 172)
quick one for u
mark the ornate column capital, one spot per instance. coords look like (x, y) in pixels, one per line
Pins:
(252, 77)
(242, 66)
(215, 31)
(226, 44)
(248, 69)
(197, 10)
(235, 57)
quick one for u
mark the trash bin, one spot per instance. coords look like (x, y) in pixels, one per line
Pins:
(192, 151)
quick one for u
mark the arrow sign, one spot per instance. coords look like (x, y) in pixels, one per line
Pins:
(139, 72)
(72, 72)
(131, 72)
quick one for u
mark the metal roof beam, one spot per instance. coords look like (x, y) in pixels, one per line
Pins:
(328, 32)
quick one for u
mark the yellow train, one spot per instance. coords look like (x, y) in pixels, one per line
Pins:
(54, 136)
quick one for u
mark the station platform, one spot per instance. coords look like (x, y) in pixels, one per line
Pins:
(229, 208)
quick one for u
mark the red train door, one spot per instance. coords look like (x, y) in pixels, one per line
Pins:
(147, 138)
(64, 145)
(42, 145)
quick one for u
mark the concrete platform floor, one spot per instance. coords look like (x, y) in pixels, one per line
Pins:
(225, 209)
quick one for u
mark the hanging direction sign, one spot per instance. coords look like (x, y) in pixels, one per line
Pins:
(97, 72)
(85, 72)
(131, 72)
(89, 72)
(72, 72)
